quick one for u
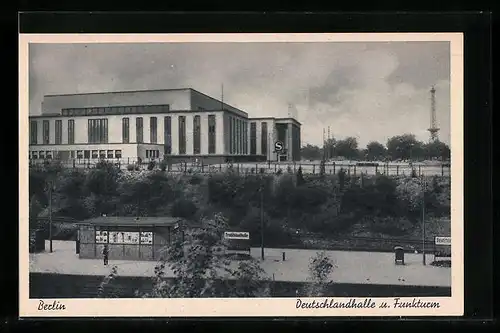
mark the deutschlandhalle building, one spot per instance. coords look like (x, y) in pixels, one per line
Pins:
(177, 124)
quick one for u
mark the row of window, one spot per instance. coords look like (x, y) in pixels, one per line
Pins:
(264, 143)
(116, 110)
(98, 132)
(238, 134)
(58, 132)
(71, 154)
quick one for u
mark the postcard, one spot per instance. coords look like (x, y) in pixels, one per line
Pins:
(223, 175)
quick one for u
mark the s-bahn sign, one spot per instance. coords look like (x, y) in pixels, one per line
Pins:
(279, 146)
(442, 240)
(236, 235)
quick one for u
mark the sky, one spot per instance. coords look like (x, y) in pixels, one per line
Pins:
(370, 91)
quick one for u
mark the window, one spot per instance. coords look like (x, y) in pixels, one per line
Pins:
(58, 138)
(237, 137)
(196, 135)
(97, 131)
(168, 135)
(152, 153)
(86, 154)
(46, 132)
(182, 135)
(42, 155)
(48, 155)
(95, 154)
(118, 153)
(153, 126)
(71, 131)
(230, 135)
(33, 132)
(211, 134)
(139, 127)
(72, 154)
(110, 154)
(253, 138)
(246, 138)
(35, 155)
(79, 154)
(201, 109)
(125, 130)
(264, 142)
(102, 154)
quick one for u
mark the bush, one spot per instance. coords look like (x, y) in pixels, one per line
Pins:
(163, 165)
(184, 208)
(151, 165)
(195, 180)
(130, 167)
(390, 225)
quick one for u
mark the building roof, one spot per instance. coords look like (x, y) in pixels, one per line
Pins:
(119, 92)
(132, 221)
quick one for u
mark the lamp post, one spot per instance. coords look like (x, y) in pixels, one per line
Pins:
(50, 215)
(262, 218)
(423, 220)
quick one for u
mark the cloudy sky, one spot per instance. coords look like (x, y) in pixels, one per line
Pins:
(371, 91)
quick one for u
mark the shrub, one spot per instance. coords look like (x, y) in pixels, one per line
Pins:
(195, 180)
(151, 165)
(390, 225)
(184, 208)
(163, 165)
(130, 167)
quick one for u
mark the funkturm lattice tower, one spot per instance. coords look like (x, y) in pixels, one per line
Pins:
(433, 129)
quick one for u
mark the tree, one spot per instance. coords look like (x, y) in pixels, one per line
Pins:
(347, 148)
(437, 150)
(311, 152)
(375, 151)
(320, 269)
(404, 146)
(200, 268)
(330, 145)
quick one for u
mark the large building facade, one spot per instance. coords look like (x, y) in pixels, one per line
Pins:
(177, 124)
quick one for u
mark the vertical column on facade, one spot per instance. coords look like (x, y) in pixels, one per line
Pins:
(189, 134)
(289, 139)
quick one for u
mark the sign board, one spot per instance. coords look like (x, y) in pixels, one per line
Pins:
(236, 235)
(442, 240)
(278, 146)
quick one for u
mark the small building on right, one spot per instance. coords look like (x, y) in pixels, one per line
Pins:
(266, 132)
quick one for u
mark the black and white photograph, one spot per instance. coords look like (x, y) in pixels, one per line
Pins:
(305, 175)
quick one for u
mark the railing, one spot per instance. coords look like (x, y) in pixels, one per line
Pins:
(351, 169)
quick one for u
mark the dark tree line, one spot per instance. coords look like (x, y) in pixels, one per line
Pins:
(400, 147)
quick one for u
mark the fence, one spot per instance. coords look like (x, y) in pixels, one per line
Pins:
(351, 169)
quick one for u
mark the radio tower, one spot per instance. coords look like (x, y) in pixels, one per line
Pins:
(433, 129)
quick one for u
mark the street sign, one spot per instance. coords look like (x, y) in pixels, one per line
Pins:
(236, 235)
(442, 240)
(278, 146)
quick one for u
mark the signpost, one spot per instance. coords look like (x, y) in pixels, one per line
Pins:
(442, 240)
(442, 247)
(236, 235)
(237, 242)
(279, 149)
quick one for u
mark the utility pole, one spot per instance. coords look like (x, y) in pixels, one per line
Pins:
(50, 215)
(262, 218)
(423, 220)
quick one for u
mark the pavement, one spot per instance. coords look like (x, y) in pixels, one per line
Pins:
(350, 267)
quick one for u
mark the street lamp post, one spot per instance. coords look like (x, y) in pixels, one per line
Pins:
(423, 221)
(262, 218)
(50, 215)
